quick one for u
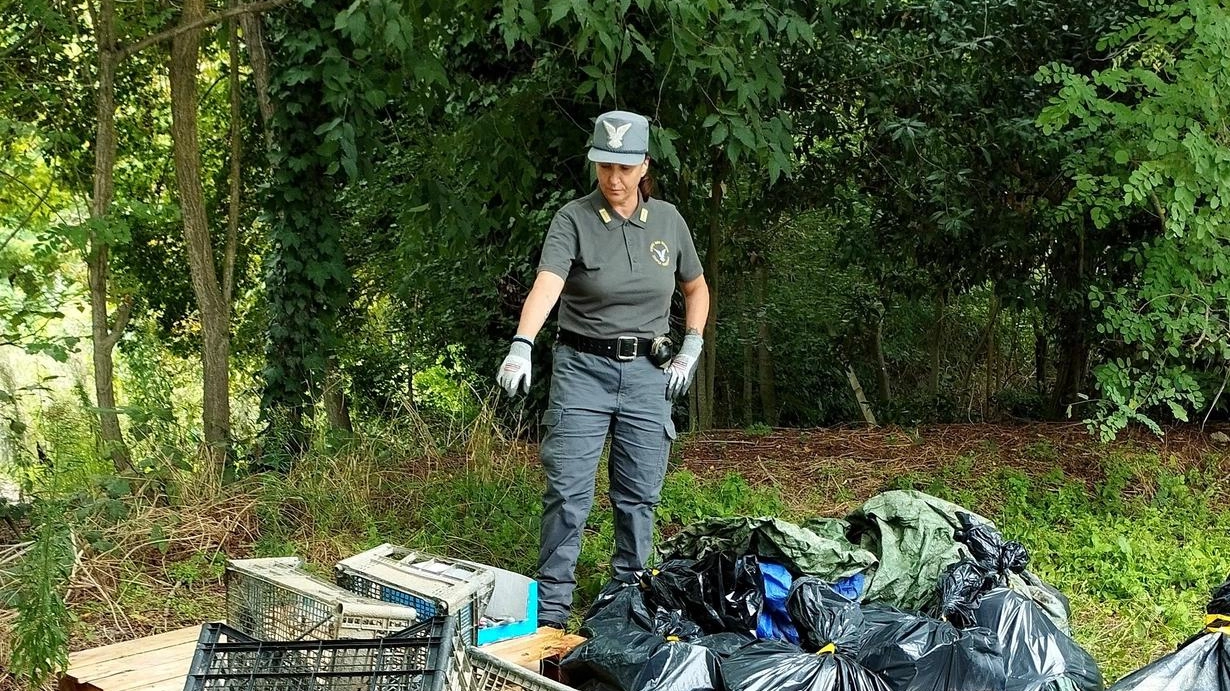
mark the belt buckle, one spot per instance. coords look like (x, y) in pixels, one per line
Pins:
(625, 354)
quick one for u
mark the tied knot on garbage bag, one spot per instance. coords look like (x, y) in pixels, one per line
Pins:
(779, 666)
(824, 619)
(1200, 664)
(963, 583)
(988, 548)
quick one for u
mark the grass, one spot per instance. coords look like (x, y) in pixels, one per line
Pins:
(1135, 542)
(1137, 551)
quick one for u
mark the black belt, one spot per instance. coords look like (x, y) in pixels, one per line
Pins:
(623, 348)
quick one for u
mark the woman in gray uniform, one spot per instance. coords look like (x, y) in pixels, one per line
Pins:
(612, 259)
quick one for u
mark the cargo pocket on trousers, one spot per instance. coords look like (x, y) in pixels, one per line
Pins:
(549, 450)
(551, 417)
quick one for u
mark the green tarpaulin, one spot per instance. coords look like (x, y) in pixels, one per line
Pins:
(793, 546)
(912, 534)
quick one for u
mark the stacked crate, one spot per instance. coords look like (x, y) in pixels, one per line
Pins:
(432, 586)
(276, 600)
(397, 620)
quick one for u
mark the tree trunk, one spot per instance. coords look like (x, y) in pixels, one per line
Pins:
(988, 390)
(1041, 346)
(232, 216)
(215, 320)
(986, 337)
(937, 345)
(863, 406)
(882, 380)
(746, 321)
(712, 278)
(104, 334)
(768, 387)
(337, 404)
(1072, 344)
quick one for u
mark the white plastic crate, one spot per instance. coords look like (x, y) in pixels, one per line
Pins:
(482, 671)
(433, 586)
(276, 600)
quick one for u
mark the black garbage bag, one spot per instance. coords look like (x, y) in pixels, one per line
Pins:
(1202, 663)
(823, 617)
(1037, 655)
(988, 548)
(671, 585)
(960, 589)
(620, 602)
(680, 667)
(724, 644)
(673, 626)
(778, 666)
(917, 653)
(614, 654)
(730, 595)
(1220, 603)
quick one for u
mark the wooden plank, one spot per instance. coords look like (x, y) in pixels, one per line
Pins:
(155, 665)
(85, 658)
(530, 651)
(142, 677)
(154, 662)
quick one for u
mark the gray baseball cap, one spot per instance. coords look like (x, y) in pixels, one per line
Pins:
(620, 137)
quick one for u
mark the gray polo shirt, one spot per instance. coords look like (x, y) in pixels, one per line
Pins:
(619, 274)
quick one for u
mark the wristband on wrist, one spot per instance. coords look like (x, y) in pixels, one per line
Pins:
(522, 339)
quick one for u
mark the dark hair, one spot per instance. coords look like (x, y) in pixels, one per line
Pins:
(646, 185)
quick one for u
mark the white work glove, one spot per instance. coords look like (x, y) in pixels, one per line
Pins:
(683, 365)
(514, 373)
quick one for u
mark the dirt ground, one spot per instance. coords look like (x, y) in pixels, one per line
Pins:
(830, 471)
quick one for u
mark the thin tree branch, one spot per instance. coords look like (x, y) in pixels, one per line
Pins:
(19, 43)
(122, 313)
(207, 20)
(1216, 398)
(42, 201)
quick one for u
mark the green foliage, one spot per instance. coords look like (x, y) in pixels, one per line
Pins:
(687, 498)
(758, 429)
(329, 82)
(1152, 148)
(34, 589)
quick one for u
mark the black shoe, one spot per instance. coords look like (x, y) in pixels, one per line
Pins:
(558, 625)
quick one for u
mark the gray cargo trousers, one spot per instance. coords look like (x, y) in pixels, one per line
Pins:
(592, 396)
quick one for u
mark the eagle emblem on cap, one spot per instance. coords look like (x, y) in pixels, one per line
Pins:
(615, 135)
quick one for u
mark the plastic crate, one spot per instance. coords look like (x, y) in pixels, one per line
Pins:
(276, 600)
(416, 659)
(482, 671)
(433, 586)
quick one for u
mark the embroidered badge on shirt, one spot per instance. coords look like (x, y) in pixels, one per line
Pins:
(660, 252)
(615, 135)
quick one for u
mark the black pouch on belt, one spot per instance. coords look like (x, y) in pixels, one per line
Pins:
(661, 351)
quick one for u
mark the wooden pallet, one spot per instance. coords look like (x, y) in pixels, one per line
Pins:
(160, 663)
(153, 663)
(546, 646)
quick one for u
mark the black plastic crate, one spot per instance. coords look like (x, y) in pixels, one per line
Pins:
(415, 659)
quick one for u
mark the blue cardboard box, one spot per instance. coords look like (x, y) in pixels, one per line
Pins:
(514, 602)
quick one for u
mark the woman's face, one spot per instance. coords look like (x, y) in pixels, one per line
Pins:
(618, 182)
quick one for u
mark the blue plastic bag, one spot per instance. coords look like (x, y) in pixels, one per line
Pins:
(851, 586)
(774, 622)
